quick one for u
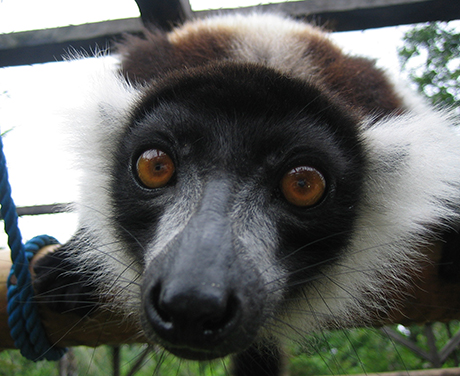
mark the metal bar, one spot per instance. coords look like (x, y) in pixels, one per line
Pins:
(449, 347)
(431, 340)
(140, 361)
(406, 342)
(116, 356)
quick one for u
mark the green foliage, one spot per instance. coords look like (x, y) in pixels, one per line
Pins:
(431, 56)
(160, 362)
(366, 350)
(353, 351)
(344, 352)
(98, 362)
(12, 363)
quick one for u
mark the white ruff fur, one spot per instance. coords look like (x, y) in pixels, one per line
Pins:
(267, 39)
(95, 129)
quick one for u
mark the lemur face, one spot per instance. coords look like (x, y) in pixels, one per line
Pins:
(227, 179)
(246, 182)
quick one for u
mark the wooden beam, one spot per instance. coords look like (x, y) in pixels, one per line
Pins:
(346, 15)
(41, 46)
(164, 14)
(42, 209)
(390, 333)
(5, 266)
(449, 347)
(389, 15)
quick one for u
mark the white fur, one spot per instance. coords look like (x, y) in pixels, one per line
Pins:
(95, 127)
(268, 39)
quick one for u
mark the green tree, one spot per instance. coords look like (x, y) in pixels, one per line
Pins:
(431, 57)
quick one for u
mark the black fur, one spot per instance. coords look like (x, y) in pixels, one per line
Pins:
(449, 265)
(62, 285)
(251, 123)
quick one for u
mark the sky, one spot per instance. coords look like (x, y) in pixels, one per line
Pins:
(38, 159)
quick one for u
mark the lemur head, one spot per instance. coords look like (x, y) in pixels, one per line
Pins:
(227, 179)
(240, 185)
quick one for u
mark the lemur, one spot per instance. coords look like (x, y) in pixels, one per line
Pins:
(245, 182)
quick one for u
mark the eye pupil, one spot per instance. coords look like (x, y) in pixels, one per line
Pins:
(303, 186)
(155, 168)
(301, 183)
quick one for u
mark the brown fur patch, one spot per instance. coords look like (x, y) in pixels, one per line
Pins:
(356, 80)
(153, 55)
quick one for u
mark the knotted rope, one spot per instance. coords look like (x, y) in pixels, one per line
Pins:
(26, 328)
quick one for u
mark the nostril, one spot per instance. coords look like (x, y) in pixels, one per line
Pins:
(221, 319)
(165, 318)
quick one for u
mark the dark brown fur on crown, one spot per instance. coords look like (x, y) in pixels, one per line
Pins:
(152, 55)
(356, 81)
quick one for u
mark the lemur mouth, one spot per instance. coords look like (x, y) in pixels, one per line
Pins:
(195, 354)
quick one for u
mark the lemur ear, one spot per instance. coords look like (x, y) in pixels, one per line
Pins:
(146, 56)
(156, 53)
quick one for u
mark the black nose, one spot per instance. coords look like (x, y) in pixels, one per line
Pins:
(195, 317)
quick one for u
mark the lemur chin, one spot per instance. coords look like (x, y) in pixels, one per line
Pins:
(245, 182)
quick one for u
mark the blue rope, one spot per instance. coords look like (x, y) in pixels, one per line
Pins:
(26, 328)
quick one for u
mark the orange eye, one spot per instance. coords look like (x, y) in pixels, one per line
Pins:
(303, 186)
(155, 168)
